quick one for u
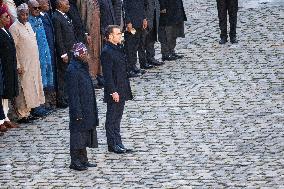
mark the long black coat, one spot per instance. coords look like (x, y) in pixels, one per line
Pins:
(135, 12)
(114, 63)
(9, 65)
(81, 97)
(107, 14)
(175, 12)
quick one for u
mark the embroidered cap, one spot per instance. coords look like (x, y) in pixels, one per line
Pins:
(79, 49)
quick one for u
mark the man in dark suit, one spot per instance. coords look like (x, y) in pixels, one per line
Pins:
(171, 27)
(9, 66)
(117, 87)
(153, 15)
(230, 6)
(136, 24)
(65, 38)
(83, 109)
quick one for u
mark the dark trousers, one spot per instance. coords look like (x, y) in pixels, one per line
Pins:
(112, 125)
(133, 44)
(230, 6)
(61, 93)
(168, 41)
(79, 155)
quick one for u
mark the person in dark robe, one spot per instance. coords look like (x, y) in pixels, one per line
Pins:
(82, 109)
(9, 66)
(2, 115)
(117, 88)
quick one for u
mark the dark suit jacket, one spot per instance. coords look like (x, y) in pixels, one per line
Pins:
(64, 34)
(9, 65)
(79, 27)
(135, 12)
(114, 62)
(175, 12)
(107, 14)
(117, 7)
(81, 97)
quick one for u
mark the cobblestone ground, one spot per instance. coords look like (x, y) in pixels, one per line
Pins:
(211, 120)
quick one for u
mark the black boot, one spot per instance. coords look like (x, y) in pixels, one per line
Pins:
(76, 162)
(84, 159)
(223, 40)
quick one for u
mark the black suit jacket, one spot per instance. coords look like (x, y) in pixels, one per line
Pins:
(135, 12)
(107, 14)
(65, 37)
(175, 12)
(114, 62)
(9, 65)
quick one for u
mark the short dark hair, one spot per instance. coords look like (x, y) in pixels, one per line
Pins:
(109, 30)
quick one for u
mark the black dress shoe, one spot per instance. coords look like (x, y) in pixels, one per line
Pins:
(146, 66)
(116, 149)
(155, 62)
(24, 120)
(169, 58)
(88, 164)
(177, 56)
(132, 74)
(1, 134)
(62, 105)
(127, 150)
(223, 41)
(233, 40)
(78, 167)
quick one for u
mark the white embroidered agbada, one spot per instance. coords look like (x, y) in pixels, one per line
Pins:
(31, 88)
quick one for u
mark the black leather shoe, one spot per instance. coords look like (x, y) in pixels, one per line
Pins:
(132, 74)
(116, 149)
(169, 58)
(155, 62)
(88, 164)
(24, 120)
(1, 134)
(233, 40)
(78, 166)
(223, 41)
(127, 150)
(146, 66)
(177, 56)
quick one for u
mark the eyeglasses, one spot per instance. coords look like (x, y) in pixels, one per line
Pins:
(36, 8)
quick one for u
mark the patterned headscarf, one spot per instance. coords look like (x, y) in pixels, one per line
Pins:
(79, 49)
(3, 10)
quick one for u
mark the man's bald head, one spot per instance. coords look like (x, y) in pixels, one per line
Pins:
(34, 7)
(62, 5)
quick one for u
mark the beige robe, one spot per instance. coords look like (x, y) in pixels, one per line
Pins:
(90, 14)
(31, 90)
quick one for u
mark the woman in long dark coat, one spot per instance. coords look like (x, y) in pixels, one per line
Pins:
(82, 109)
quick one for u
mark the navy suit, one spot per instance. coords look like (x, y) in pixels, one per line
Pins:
(113, 61)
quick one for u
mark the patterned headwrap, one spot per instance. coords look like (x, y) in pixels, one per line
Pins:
(3, 10)
(79, 49)
(22, 6)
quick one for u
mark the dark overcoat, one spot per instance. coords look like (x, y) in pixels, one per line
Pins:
(135, 12)
(175, 12)
(2, 115)
(107, 14)
(9, 65)
(81, 97)
(114, 63)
